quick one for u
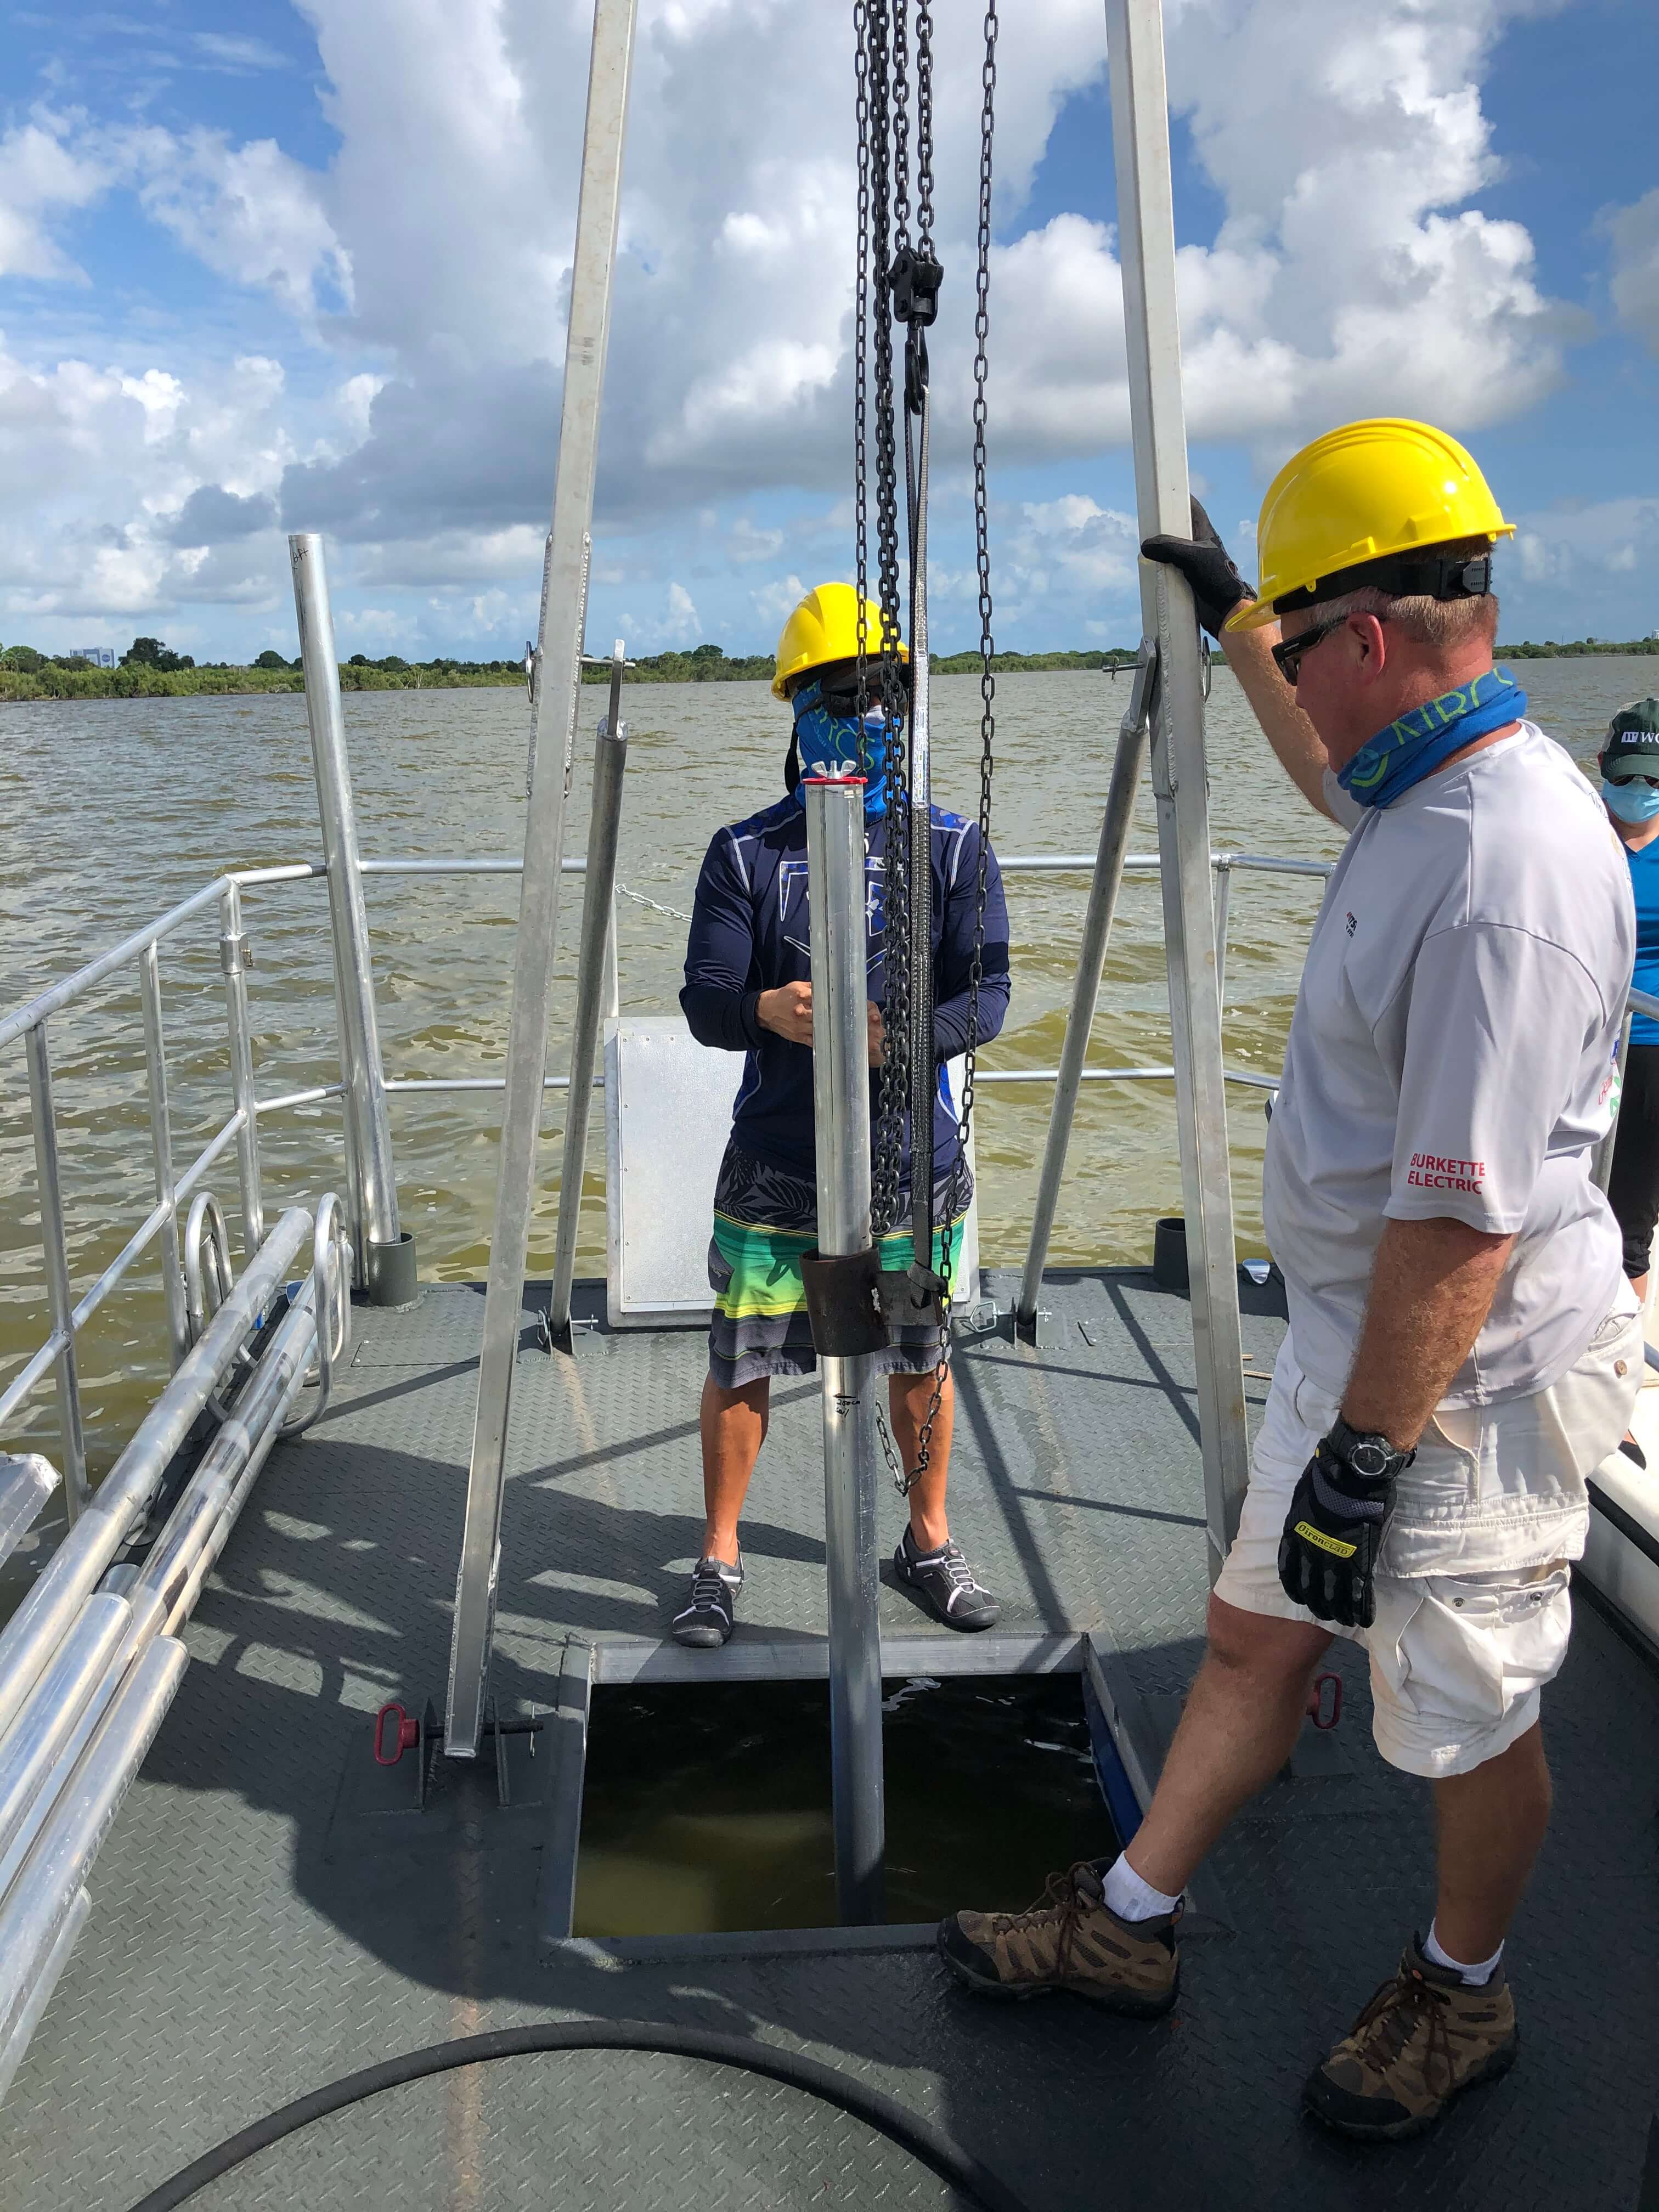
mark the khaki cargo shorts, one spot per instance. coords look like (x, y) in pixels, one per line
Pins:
(1457, 1659)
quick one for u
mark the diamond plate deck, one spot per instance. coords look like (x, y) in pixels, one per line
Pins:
(235, 1958)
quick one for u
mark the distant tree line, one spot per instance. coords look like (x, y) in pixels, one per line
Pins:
(150, 669)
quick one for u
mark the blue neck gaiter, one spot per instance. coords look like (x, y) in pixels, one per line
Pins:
(839, 744)
(1420, 742)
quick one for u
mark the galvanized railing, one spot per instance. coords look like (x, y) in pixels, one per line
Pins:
(139, 954)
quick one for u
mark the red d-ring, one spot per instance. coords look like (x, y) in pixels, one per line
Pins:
(407, 1736)
(1317, 1702)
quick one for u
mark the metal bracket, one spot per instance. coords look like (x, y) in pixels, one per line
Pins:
(235, 952)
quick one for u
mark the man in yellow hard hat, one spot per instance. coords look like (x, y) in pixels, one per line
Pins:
(748, 989)
(1463, 1348)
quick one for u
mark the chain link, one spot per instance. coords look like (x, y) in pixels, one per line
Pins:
(987, 708)
(882, 30)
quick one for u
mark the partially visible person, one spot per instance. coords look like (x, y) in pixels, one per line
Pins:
(749, 989)
(1630, 789)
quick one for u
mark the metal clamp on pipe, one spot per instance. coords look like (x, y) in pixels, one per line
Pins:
(844, 1302)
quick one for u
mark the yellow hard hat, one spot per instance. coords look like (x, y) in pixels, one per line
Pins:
(824, 627)
(1367, 492)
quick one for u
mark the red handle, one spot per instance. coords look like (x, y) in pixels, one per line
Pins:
(1317, 1702)
(407, 1734)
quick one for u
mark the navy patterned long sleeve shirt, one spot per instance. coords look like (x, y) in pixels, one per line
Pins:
(750, 933)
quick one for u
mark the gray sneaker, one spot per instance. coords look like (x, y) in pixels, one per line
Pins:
(945, 1582)
(706, 1619)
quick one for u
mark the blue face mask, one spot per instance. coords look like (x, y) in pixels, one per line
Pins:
(1419, 743)
(1630, 802)
(840, 745)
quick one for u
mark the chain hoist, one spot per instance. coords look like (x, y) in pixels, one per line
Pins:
(908, 277)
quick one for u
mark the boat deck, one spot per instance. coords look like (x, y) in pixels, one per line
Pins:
(261, 1924)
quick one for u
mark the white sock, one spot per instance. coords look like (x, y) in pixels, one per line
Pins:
(1475, 1977)
(1132, 1898)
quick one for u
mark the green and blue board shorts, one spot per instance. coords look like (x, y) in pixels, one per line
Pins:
(765, 1217)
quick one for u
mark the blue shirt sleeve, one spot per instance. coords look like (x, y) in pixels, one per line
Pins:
(953, 970)
(721, 994)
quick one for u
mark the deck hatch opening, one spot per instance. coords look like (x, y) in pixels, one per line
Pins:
(707, 1808)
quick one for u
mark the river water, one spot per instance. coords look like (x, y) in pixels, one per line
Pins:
(113, 810)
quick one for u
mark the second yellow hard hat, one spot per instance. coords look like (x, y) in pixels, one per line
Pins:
(1363, 493)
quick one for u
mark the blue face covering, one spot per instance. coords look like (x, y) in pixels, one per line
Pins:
(840, 745)
(1422, 741)
(1630, 802)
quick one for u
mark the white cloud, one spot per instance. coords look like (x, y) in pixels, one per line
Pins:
(236, 52)
(684, 626)
(1353, 271)
(1634, 232)
(251, 213)
(41, 180)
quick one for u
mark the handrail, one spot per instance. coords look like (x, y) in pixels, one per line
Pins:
(58, 995)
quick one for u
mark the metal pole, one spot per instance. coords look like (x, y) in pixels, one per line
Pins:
(841, 1100)
(924, 1067)
(599, 922)
(60, 1297)
(612, 993)
(1601, 1162)
(235, 958)
(1140, 136)
(1085, 989)
(389, 1265)
(1224, 893)
(558, 679)
(160, 1137)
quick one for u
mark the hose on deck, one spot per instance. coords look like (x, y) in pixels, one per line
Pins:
(929, 2145)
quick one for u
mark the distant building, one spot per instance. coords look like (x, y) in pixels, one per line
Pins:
(101, 656)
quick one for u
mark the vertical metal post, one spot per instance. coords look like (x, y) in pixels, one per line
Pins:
(389, 1262)
(611, 996)
(1103, 888)
(841, 1101)
(58, 1294)
(160, 1137)
(1140, 136)
(1224, 894)
(234, 958)
(558, 678)
(598, 931)
(1601, 1163)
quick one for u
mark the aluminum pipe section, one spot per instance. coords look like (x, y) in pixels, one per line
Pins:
(11, 2053)
(1141, 143)
(44, 1895)
(37, 1739)
(388, 1257)
(556, 692)
(841, 1102)
(594, 986)
(41, 1623)
(1108, 880)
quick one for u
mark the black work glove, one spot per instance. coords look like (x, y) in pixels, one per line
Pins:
(1332, 1534)
(1208, 567)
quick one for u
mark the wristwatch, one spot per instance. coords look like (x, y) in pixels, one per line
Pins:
(1367, 1455)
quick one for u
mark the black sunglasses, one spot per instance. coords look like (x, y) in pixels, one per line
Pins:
(1651, 781)
(840, 698)
(1288, 656)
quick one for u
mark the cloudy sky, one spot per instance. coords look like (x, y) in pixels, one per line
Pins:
(303, 266)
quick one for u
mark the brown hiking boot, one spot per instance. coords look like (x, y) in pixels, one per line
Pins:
(1424, 2038)
(1067, 1940)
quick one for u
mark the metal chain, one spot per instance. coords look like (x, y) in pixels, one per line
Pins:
(861, 349)
(887, 1148)
(988, 704)
(924, 129)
